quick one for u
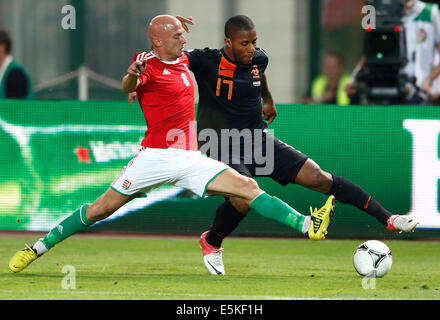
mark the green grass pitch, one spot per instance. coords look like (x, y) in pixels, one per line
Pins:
(257, 269)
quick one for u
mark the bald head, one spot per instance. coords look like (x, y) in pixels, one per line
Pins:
(161, 26)
(166, 34)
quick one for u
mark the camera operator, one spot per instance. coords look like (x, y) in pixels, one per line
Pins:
(421, 23)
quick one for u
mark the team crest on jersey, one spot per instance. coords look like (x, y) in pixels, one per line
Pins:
(126, 184)
(255, 72)
(421, 35)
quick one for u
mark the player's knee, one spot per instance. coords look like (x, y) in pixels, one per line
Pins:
(320, 180)
(240, 205)
(251, 187)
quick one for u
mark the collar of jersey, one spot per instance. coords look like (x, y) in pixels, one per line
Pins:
(222, 50)
(166, 62)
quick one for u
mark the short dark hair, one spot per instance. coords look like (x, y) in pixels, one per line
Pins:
(5, 39)
(238, 23)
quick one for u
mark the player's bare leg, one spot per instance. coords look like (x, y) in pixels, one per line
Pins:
(313, 177)
(78, 221)
(232, 184)
(231, 212)
(106, 205)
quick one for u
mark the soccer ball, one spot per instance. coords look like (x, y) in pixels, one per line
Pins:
(372, 258)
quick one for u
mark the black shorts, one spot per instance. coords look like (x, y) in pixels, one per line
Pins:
(286, 160)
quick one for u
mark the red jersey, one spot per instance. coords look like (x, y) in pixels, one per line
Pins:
(166, 96)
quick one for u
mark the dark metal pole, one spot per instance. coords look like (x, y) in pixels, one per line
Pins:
(314, 39)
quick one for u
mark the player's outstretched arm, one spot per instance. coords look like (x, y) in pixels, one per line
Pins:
(131, 80)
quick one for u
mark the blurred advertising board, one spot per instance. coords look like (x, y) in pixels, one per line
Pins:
(59, 155)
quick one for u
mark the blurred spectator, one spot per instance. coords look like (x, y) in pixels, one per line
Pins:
(422, 26)
(422, 30)
(435, 92)
(14, 81)
(329, 87)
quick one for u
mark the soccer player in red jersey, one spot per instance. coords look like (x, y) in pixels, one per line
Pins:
(234, 94)
(169, 152)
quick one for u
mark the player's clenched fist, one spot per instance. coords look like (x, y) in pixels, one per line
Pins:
(137, 68)
(131, 80)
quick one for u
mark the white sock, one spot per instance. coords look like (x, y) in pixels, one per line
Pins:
(306, 225)
(39, 247)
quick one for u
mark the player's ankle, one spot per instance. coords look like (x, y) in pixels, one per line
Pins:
(306, 225)
(39, 247)
(213, 239)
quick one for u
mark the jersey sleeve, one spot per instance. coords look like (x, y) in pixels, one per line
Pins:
(264, 55)
(261, 58)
